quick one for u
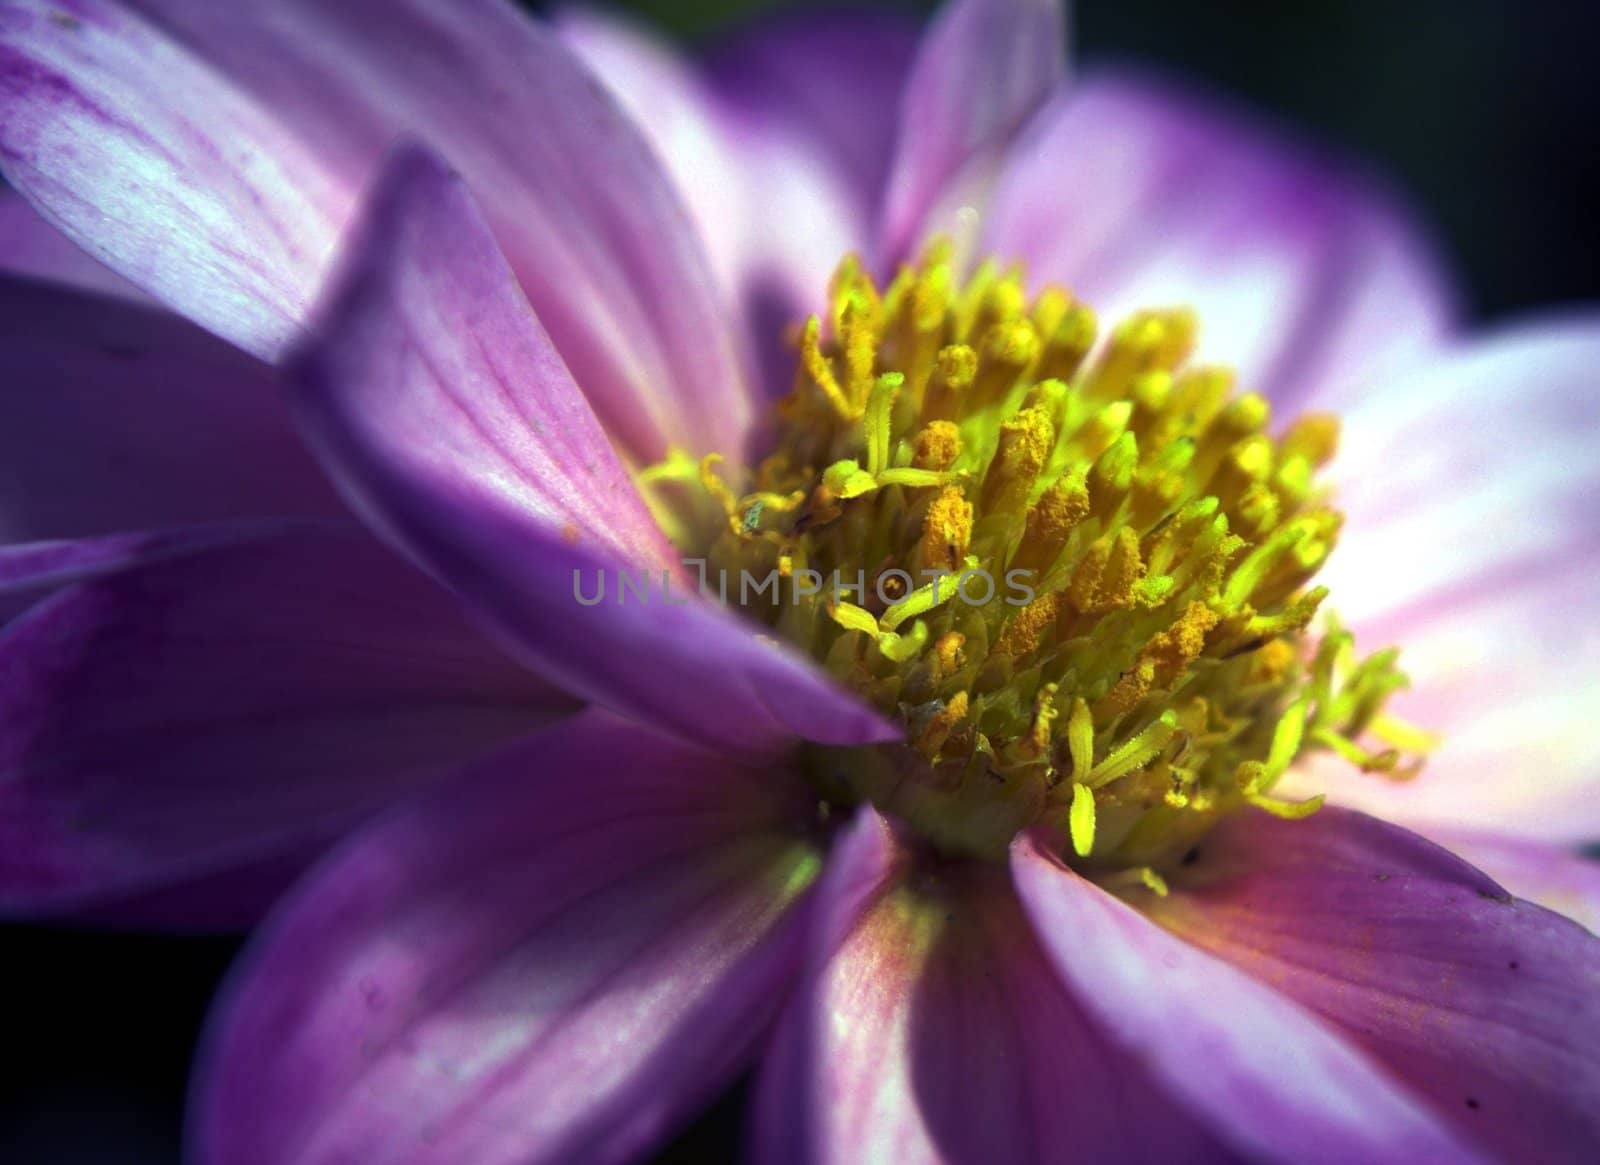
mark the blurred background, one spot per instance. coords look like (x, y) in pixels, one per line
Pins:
(1484, 110)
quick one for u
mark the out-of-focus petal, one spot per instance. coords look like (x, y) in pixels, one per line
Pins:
(930, 1027)
(773, 203)
(201, 712)
(829, 79)
(32, 248)
(115, 416)
(555, 959)
(441, 408)
(1487, 1006)
(1306, 277)
(1556, 877)
(983, 67)
(582, 208)
(159, 167)
(1471, 493)
(1269, 1077)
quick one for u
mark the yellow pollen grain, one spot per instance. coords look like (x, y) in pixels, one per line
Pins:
(946, 532)
(1051, 521)
(937, 446)
(1025, 443)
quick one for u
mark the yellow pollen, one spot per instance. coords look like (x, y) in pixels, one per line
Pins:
(1078, 569)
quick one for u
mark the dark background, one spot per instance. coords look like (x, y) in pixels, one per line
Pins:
(1483, 109)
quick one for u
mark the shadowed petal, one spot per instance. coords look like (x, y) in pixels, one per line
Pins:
(1473, 545)
(1272, 1079)
(1487, 1006)
(32, 248)
(591, 224)
(553, 960)
(441, 408)
(930, 1027)
(982, 68)
(1136, 194)
(208, 711)
(115, 416)
(161, 169)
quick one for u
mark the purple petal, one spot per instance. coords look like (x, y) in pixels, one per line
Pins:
(32, 248)
(114, 416)
(201, 713)
(556, 959)
(831, 79)
(1555, 877)
(930, 1027)
(443, 411)
(1487, 1006)
(589, 220)
(1276, 1083)
(162, 170)
(740, 169)
(1137, 193)
(1474, 547)
(984, 66)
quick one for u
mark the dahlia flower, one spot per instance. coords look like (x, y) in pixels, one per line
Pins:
(1037, 873)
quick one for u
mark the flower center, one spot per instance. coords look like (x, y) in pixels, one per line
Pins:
(1077, 572)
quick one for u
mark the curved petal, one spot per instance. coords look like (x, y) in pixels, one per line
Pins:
(772, 202)
(983, 67)
(115, 416)
(32, 248)
(831, 79)
(154, 163)
(930, 1027)
(555, 959)
(1470, 492)
(583, 210)
(1487, 1006)
(441, 408)
(1277, 1084)
(200, 713)
(1555, 877)
(1137, 194)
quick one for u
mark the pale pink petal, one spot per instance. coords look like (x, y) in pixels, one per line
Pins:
(1307, 277)
(930, 1027)
(556, 959)
(1267, 1076)
(984, 66)
(1472, 495)
(1487, 1006)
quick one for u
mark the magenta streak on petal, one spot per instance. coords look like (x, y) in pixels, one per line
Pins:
(1487, 1006)
(592, 225)
(153, 162)
(440, 408)
(983, 67)
(962, 1047)
(210, 709)
(115, 416)
(1269, 1077)
(555, 959)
